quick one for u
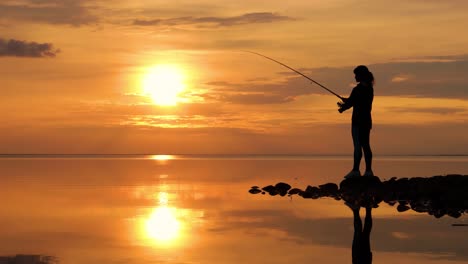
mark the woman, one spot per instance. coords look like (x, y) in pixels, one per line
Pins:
(361, 100)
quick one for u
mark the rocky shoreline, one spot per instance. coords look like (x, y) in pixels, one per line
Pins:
(436, 196)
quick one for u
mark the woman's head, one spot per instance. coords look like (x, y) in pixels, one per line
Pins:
(362, 74)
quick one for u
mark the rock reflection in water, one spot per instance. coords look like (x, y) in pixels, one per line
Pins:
(28, 259)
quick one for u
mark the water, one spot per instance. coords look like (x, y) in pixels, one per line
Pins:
(197, 209)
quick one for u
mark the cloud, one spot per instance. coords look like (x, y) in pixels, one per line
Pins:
(323, 139)
(67, 12)
(429, 110)
(256, 98)
(261, 93)
(434, 79)
(21, 48)
(400, 78)
(249, 18)
(434, 58)
(28, 259)
(189, 112)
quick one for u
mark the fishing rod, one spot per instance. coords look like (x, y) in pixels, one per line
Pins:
(296, 71)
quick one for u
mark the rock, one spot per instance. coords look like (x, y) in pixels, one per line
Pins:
(439, 213)
(402, 208)
(269, 188)
(254, 191)
(312, 189)
(282, 188)
(454, 214)
(329, 188)
(294, 191)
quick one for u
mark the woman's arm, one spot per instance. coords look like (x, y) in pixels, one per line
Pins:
(347, 102)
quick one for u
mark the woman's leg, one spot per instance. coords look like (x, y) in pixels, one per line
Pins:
(355, 131)
(364, 135)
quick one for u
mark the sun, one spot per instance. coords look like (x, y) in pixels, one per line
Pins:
(164, 83)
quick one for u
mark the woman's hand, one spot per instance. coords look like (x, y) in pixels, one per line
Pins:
(341, 104)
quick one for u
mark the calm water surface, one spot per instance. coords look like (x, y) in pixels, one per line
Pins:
(197, 209)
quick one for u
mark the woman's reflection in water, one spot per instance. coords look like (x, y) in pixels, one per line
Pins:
(361, 241)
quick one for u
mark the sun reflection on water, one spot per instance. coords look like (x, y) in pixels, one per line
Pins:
(169, 223)
(162, 157)
(163, 225)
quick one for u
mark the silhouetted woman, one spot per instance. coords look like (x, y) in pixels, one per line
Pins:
(361, 101)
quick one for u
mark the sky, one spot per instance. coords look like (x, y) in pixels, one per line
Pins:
(85, 76)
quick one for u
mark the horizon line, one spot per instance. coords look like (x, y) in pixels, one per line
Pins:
(222, 154)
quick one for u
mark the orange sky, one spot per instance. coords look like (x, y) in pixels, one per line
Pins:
(84, 93)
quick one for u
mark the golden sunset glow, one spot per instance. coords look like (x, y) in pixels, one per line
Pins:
(132, 131)
(164, 83)
(132, 81)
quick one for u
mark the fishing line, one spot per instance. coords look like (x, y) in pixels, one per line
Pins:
(296, 71)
